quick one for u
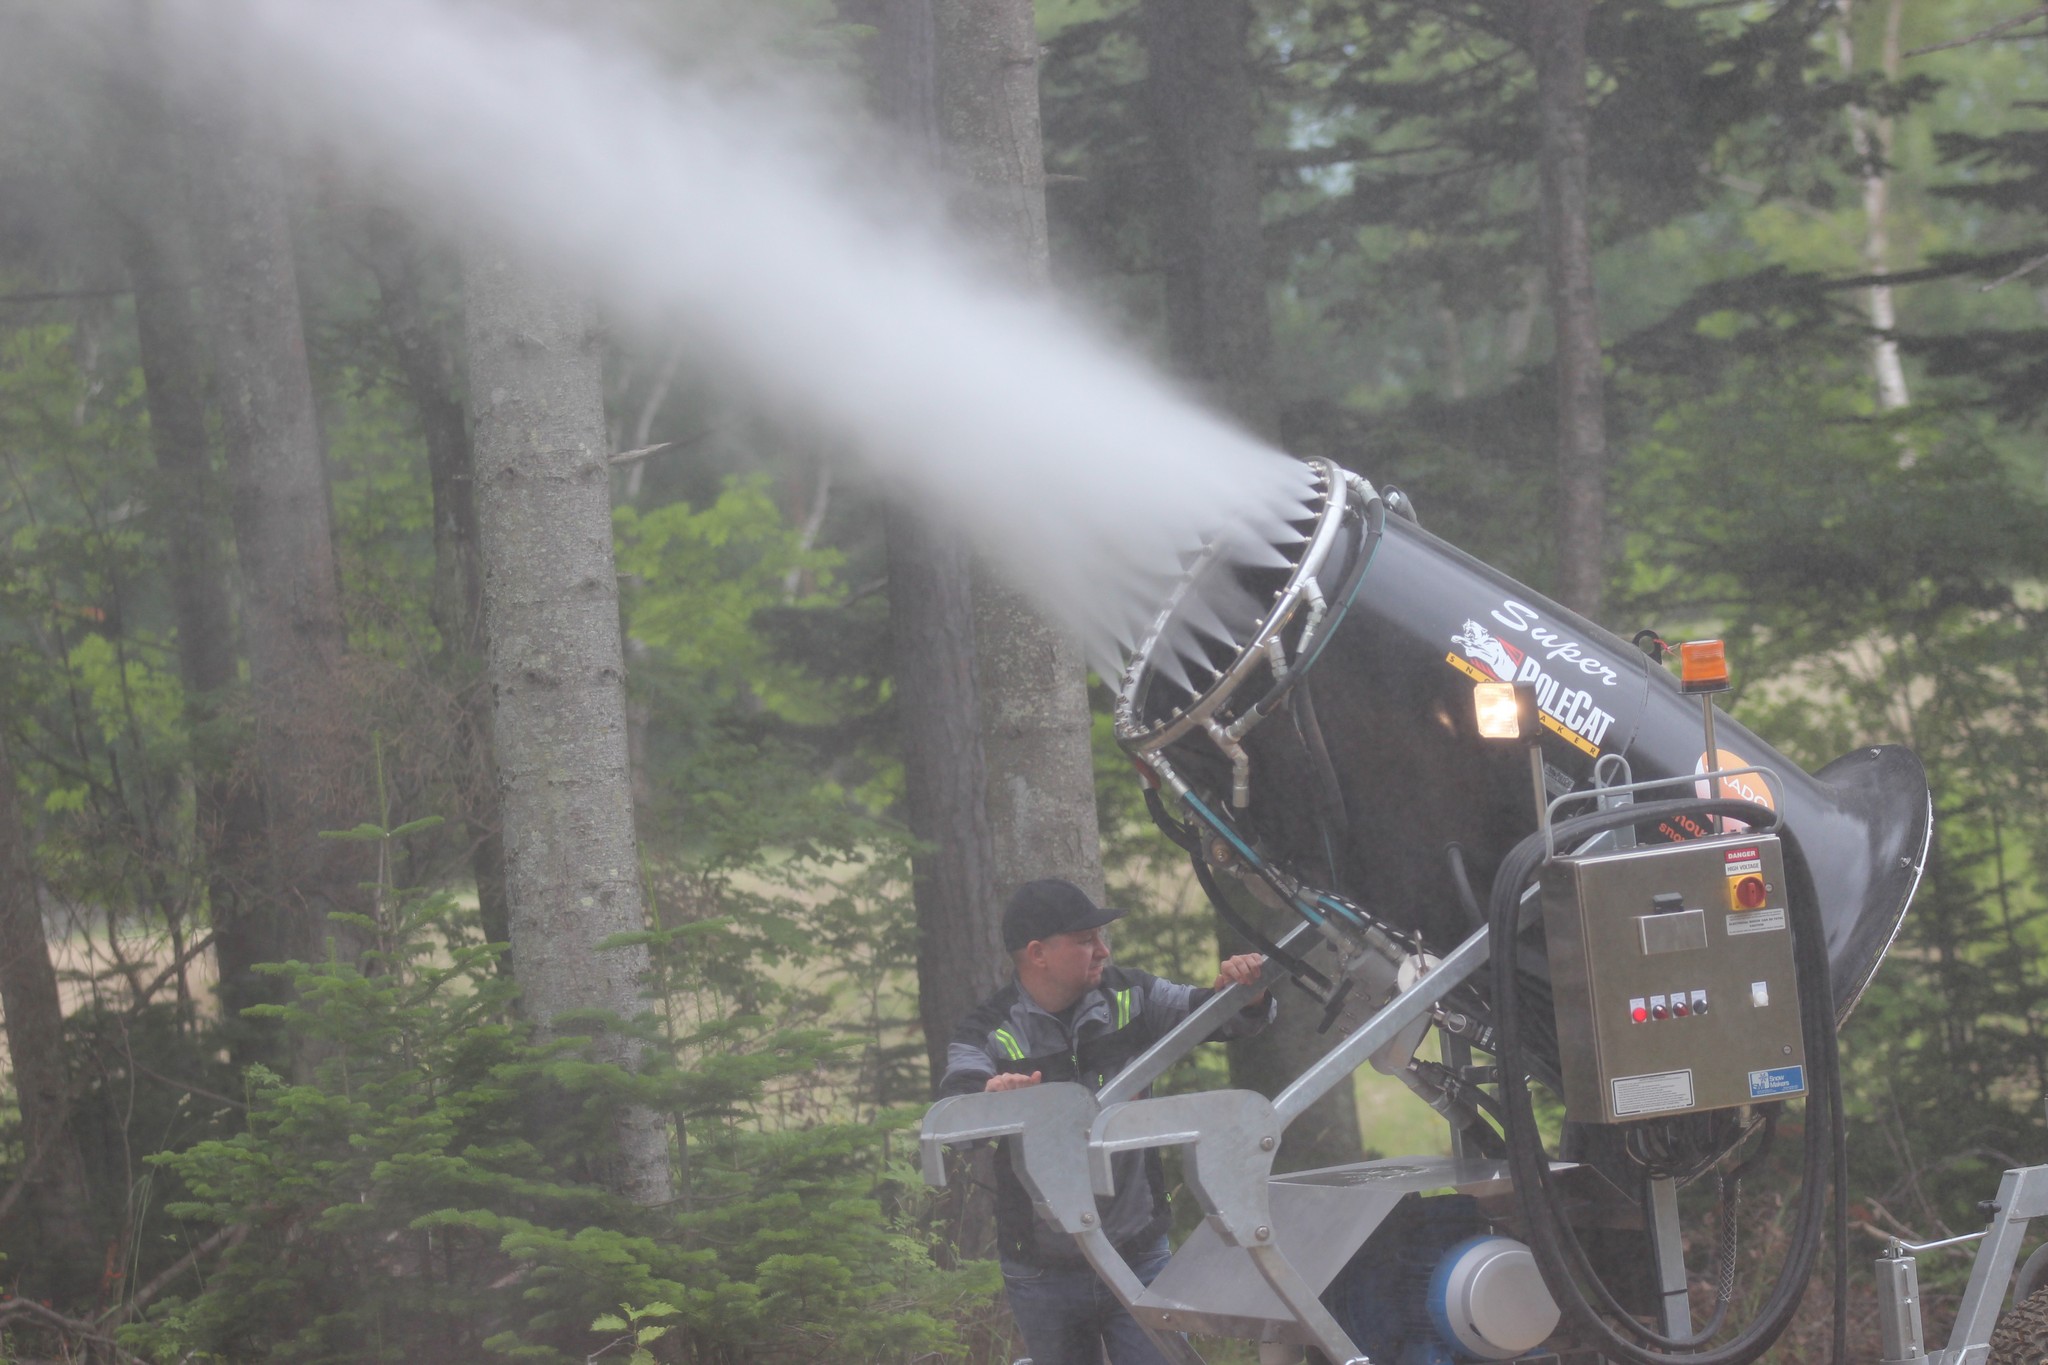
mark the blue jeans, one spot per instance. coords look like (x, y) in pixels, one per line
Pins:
(1068, 1315)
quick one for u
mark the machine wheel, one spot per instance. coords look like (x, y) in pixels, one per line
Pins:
(2021, 1337)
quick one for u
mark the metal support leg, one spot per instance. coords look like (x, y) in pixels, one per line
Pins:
(1050, 1125)
(2022, 1196)
(1898, 1309)
(1231, 1137)
(1667, 1250)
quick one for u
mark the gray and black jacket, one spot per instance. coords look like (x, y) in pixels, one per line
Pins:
(1111, 1025)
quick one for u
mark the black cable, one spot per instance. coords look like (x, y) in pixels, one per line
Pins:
(1190, 842)
(1555, 1237)
(1461, 882)
(1330, 811)
(1543, 1067)
(1294, 966)
(1463, 1106)
(1725, 1250)
(1180, 832)
(1568, 1242)
(1726, 1226)
(1801, 874)
(1566, 1270)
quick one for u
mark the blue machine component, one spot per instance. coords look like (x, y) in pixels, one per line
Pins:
(1434, 1285)
(1440, 1288)
(1382, 1297)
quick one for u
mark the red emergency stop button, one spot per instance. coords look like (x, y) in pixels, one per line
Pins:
(1748, 893)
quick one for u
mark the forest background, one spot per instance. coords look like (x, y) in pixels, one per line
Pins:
(1788, 391)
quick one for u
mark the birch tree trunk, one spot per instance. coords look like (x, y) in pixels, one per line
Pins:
(312, 764)
(54, 1189)
(1870, 135)
(1200, 97)
(1557, 31)
(557, 674)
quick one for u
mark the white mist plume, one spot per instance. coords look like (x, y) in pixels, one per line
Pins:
(1081, 473)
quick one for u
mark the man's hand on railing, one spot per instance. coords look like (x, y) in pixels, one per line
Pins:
(1011, 1081)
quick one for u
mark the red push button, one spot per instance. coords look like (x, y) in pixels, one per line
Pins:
(1638, 1011)
(1678, 1006)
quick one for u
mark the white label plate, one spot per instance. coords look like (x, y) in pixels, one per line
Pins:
(1756, 921)
(1653, 1094)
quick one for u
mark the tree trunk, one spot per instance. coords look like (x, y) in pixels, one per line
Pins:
(557, 673)
(186, 496)
(54, 1191)
(1211, 247)
(1558, 39)
(960, 954)
(311, 762)
(1200, 97)
(430, 370)
(1036, 735)
(960, 957)
(1035, 724)
(1871, 137)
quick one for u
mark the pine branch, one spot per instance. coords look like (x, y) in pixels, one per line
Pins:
(226, 1239)
(2029, 268)
(71, 1327)
(1997, 30)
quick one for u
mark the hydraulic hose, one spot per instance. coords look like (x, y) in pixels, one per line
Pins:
(1191, 843)
(1563, 1262)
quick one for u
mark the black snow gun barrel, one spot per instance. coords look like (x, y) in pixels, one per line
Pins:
(1314, 724)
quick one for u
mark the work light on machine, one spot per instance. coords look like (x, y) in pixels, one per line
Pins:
(1505, 710)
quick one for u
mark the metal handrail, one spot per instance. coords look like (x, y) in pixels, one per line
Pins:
(1770, 776)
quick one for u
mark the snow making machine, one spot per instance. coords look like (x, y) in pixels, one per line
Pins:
(1445, 804)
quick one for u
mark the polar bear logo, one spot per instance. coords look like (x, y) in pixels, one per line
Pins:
(1481, 647)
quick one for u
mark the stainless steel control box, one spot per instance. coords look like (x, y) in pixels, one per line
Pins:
(1672, 974)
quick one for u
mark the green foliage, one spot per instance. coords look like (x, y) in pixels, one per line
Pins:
(1879, 580)
(383, 514)
(713, 596)
(642, 1325)
(702, 575)
(435, 1190)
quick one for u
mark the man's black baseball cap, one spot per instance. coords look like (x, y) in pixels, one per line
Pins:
(1050, 906)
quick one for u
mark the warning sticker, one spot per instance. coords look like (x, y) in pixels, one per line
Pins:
(1738, 867)
(1776, 1082)
(1756, 921)
(1655, 1094)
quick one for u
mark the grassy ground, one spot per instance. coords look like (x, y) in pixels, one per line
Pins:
(1393, 1121)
